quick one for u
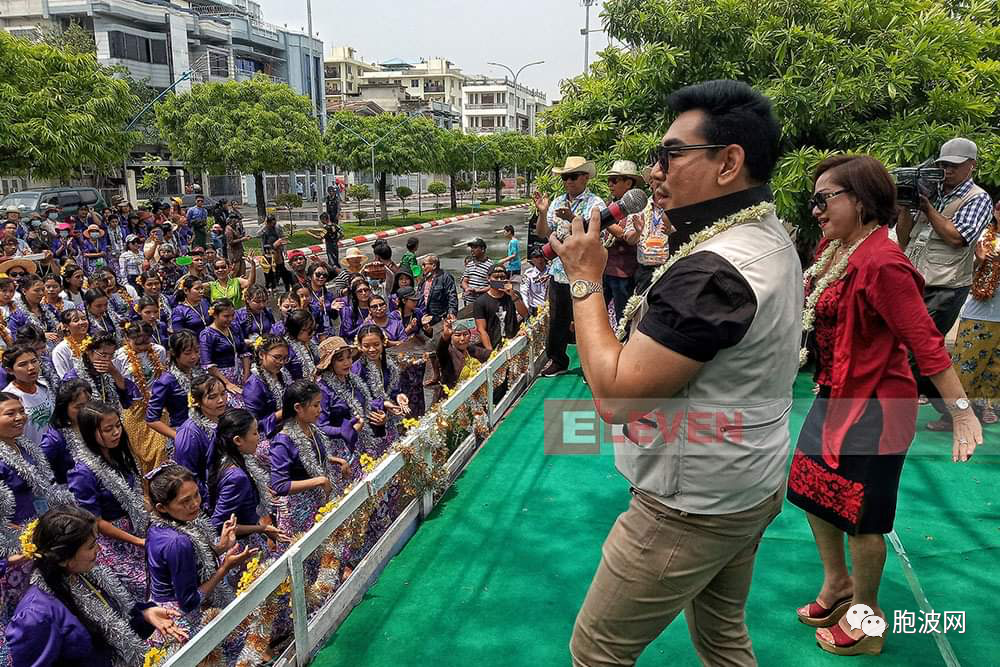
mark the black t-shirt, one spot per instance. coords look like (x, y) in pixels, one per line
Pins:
(497, 313)
(701, 306)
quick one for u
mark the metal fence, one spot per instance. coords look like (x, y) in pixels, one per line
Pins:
(513, 367)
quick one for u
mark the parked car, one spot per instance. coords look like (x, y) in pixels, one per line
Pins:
(69, 199)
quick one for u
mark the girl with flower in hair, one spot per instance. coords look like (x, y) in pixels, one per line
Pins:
(170, 391)
(105, 481)
(74, 326)
(54, 303)
(187, 565)
(32, 312)
(142, 362)
(191, 311)
(95, 367)
(263, 391)
(193, 444)
(102, 320)
(147, 310)
(255, 319)
(223, 351)
(76, 610)
(26, 491)
(63, 432)
(302, 351)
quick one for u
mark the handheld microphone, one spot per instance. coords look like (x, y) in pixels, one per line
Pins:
(633, 201)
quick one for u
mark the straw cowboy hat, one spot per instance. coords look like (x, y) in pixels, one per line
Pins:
(624, 168)
(355, 254)
(18, 262)
(329, 348)
(575, 164)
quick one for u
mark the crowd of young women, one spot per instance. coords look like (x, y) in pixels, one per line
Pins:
(152, 443)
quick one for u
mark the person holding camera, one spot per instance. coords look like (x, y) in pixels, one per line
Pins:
(939, 240)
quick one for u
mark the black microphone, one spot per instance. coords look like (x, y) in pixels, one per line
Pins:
(633, 201)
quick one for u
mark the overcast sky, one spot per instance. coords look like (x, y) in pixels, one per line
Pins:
(469, 33)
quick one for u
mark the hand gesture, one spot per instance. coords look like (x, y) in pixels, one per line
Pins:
(227, 537)
(358, 424)
(565, 213)
(377, 418)
(582, 252)
(338, 305)
(237, 555)
(324, 483)
(403, 401)
(163, 619)
(924, 203)
(967, 434)
(542, 202)
(272, 533)
(426, 320)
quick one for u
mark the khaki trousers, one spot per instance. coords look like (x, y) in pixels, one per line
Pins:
(657, 561)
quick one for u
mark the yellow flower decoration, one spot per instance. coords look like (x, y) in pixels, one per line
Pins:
(191, 402)
(86, 343)
(410, 422)
(249, 575)
(324, 510)
(285, 588)
(367, 463)
(28, 547)
(448, 391)
(154, 657)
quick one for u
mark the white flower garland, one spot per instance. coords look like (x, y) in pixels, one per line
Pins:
(751, 214)
(829, 278)
(306, 356)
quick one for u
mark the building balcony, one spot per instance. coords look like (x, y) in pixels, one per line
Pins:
(493, 107)
(432, 88)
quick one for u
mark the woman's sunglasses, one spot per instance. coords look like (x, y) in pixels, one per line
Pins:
(820, 199)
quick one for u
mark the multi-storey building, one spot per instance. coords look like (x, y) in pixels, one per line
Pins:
(344, 71)
(495, 105)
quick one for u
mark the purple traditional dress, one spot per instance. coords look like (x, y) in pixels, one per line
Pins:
(180, 557)
(262, 398)
(194, 447)
(351, 322)
(26, 492)
(44, 321)
(55, 446)
(170, 392)
(302, 359)
(393, 328)
(225, 351)
(321, 307)
(103, 388)
(296, 456)
(194, 319)
(254, 325)
(44, 632)
(109, 322)
(109, 494)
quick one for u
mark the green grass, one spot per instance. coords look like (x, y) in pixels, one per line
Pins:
(300, 239)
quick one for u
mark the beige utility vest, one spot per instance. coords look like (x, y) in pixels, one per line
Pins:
(751, 382)
(940, 264)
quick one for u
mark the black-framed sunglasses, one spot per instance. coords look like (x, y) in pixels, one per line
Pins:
(572, 177)
(819, 200)
(661, 154)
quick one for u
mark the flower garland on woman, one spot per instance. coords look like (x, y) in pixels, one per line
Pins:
(76, 610)
(106, 482)
(303, 352)
(263, 391)
(74, 326)
(107, 384)
(141, 361)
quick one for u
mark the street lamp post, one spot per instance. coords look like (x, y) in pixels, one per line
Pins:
(515, 75)
(586, 36)
(314, 94)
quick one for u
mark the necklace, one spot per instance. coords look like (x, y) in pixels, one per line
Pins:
(183, 379)
(200, 533)
(36, 472)
(346, 390)
(275, 383)
(831, 275)
(747, 215)
(310, 450)
(204, 423)
(228, 336)
(99, 385)
(197, 312)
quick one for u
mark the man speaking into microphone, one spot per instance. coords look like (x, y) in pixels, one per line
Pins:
(717, 332)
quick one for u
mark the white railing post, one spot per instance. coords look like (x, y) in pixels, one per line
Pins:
(427, 500)
(300, 609)
(489, 396)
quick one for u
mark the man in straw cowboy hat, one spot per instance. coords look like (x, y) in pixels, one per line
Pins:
(556, 216)
(619, 274)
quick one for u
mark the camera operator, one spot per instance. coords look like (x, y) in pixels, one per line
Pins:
(939, 240)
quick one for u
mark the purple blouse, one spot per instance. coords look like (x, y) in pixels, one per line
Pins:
(167, 393)
(173, 568)
(251, 324)
(349, 324)
(93, 496)
(393, 328)
(335, 419)
(294, 366)
(192, 319)
(44, 633)
(19, 318)
(321, 307)
(57, 452)
(286, 467)
(126, 396)
(259, 401)
(193, 449)
(24, 499)
(236, 495)
(218, 350)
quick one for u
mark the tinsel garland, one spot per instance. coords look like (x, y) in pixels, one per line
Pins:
(275, 384)
(183, 379)
(987, 274)
(36, 474)
(102, 387)
(201, 534)
(307, 355)
(345, 389)
(128, 496)
(314, 465)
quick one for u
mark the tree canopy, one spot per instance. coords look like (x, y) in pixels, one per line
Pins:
(252, 126)
(894, 78)
(60, 111)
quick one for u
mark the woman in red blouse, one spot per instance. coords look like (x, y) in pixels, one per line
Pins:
(864, 309)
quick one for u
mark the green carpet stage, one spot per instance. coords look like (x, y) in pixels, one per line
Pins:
(498, 572)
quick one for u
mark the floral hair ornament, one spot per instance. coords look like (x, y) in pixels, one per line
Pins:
(4, 275)
(158, 469)
(191, 402)
(27, 538)
(258, 343)
(86, 343)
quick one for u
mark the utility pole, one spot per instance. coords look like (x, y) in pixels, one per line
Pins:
(314, 92)
(586, 36)
(515, 75)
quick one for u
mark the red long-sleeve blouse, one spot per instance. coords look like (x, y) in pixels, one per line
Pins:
(881, 314)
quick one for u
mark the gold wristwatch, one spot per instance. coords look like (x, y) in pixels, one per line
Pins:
(581, 288)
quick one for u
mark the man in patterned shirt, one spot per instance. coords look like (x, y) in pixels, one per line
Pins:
(556, 217)
(940, 239)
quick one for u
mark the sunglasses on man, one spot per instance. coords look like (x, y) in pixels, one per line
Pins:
(572, 177)
(661, 155)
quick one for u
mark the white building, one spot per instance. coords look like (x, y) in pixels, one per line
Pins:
(344, 71)
(494, 105)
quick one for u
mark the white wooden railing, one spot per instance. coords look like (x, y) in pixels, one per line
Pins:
(311, 633)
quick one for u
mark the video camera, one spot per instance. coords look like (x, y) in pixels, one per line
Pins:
(911, 182)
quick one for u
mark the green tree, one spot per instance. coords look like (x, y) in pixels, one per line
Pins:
(509, 150)
(437, 188)
(252, 126)
(455, 156)
(404, 192)
(359, 191)
(154, 175)
(59, 111)
(73, 39)
(402, 145)
(894, 78)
